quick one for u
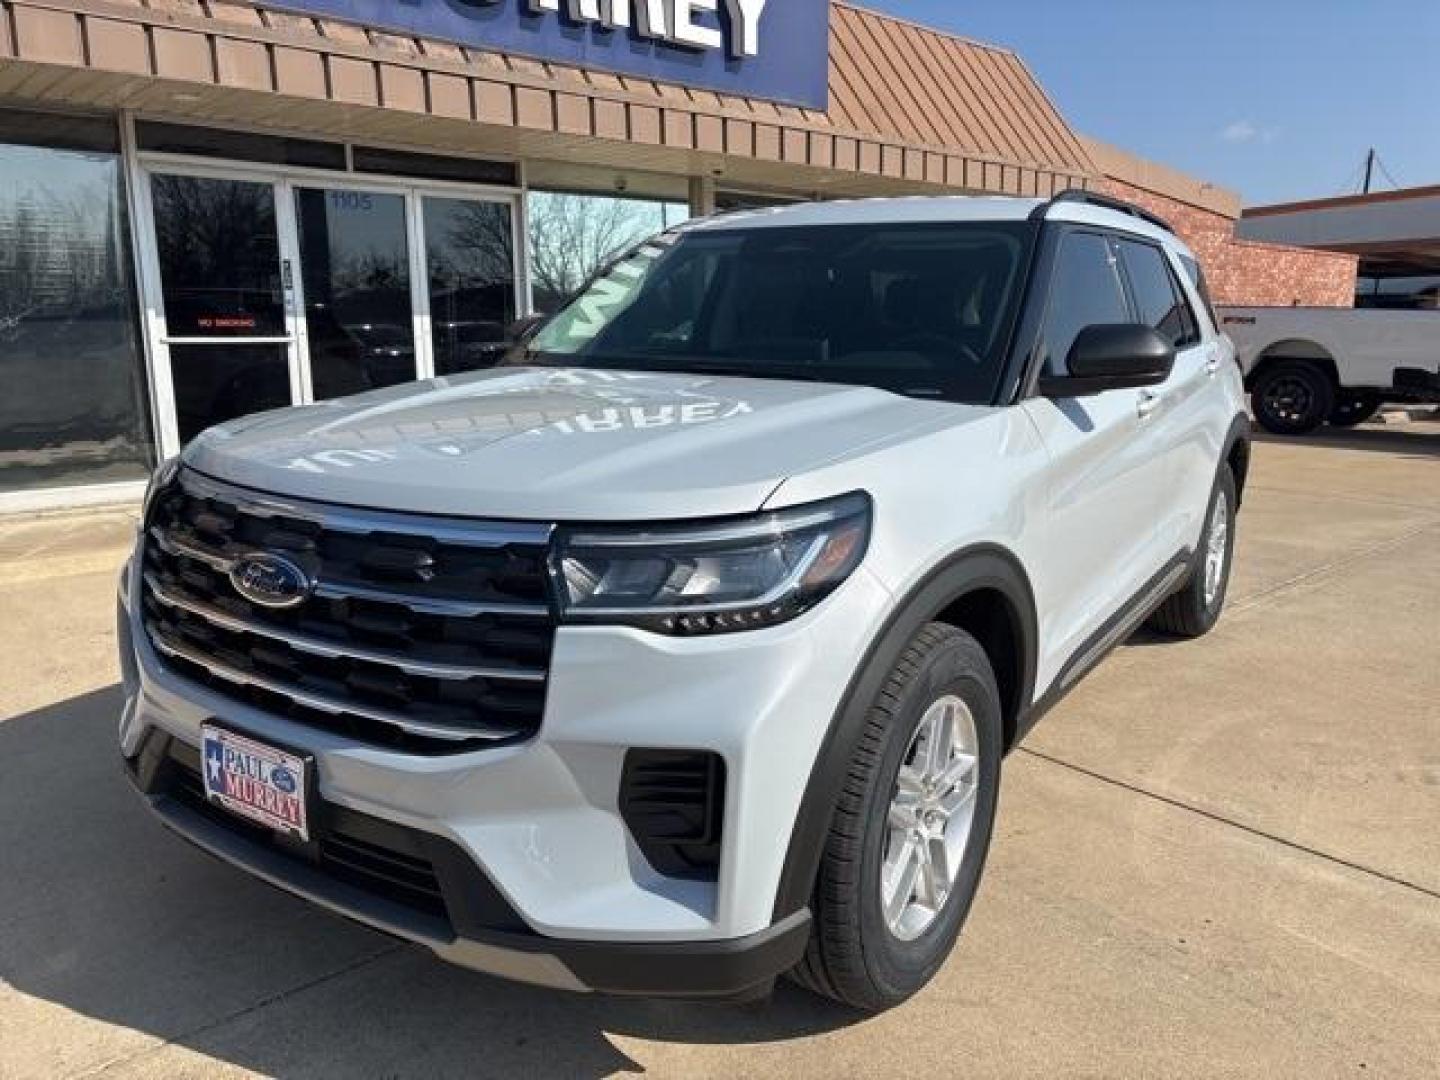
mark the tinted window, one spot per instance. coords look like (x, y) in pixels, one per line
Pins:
(355, 262)
(1157, 298)
(219, 256)
(921, 310)
(434, 166)
(1084, 291)
(242, 145)
(471, 265)
(73, 407)
(1197, 278)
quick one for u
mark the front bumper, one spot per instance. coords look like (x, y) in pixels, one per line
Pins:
(569, 899)
(476, 929)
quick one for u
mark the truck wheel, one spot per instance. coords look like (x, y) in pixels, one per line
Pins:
(1195, 609)
(1354, 407)
(1292, 397)
(907, 844)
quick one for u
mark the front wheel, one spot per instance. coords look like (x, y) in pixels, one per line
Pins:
(907, 845)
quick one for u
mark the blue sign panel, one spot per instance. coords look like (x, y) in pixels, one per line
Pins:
(777, 50)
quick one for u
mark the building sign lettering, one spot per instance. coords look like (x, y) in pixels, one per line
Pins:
(777, 50)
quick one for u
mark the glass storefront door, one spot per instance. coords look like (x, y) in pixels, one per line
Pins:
(284, 290)
(228, 330)
(359, 313)
(470, 270)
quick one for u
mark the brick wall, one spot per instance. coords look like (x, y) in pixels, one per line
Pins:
(1244, 271)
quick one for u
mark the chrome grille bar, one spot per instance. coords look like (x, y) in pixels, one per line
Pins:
(318, 646)
(321, 702)
(458, 661)
(223, 561)
(357, 520)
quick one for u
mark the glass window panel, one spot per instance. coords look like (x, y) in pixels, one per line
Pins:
(470, 256)
(215, 383)
(358, 314)
(1159, 302)
(434, 166)
(1084, 291)
(574, 235)
(59, 131)
(219, 257)
(920, 310)
(239, 145)
(73, 408)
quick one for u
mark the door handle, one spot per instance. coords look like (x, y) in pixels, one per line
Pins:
(1147, 403)
(1212, 366)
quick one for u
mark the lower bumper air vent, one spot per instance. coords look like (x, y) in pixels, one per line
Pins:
(673, 802)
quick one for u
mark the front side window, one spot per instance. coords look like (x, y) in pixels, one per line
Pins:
(923, 310)
(1160, 304)
(1085, 290)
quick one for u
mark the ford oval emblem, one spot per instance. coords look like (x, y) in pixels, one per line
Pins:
(283, 779)
(271, 580)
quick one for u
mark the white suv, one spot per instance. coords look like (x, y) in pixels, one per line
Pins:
(683, 650)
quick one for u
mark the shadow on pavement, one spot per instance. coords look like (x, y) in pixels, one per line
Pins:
(1419, 439)
(105, 913)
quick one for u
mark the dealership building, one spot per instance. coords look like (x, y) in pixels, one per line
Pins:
(212, 207)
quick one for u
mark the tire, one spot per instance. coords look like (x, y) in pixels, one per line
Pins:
(1292, 397)
(1353, 407)
(854, 955)
(1194, 610)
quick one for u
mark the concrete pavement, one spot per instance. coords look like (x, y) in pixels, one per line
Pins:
(1214, 859)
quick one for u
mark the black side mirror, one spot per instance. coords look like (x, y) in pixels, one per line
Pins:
(1112, 356)
(522, 330)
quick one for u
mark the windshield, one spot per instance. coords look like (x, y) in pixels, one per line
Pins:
(923, 310)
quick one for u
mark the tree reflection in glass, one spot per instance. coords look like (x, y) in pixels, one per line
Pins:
(471, 262)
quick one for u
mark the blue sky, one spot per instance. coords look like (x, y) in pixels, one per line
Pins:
(1278, 99)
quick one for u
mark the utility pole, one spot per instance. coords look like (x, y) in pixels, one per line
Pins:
(1369, 169)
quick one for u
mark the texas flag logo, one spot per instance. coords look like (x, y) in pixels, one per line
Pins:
(215, 766)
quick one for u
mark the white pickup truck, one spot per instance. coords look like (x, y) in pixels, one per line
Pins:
(1308, 366)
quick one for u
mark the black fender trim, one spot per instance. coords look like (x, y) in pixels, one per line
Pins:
(984, 566)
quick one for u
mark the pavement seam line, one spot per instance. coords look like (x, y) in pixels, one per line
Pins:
(1221, 819)
(1258, 598)
(219, 1022)
(1341, 497)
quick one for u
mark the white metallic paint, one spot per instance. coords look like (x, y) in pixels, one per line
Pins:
(1089, 498)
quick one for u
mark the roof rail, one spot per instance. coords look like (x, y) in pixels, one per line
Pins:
(1108, 202)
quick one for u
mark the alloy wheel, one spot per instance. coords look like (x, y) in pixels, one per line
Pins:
(930, 815)
(1216, 548)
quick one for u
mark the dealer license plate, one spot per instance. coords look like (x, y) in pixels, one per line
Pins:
(255, 780)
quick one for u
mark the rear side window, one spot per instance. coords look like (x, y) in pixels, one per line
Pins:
(1157, 294)
(1197, 278)
(1084, 291)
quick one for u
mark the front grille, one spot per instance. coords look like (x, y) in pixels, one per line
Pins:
(427, 634)
(673, 802)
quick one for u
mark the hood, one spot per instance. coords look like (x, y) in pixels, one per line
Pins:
(562, 444)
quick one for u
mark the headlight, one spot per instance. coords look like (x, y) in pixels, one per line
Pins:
(711, 578)
(159, 480)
